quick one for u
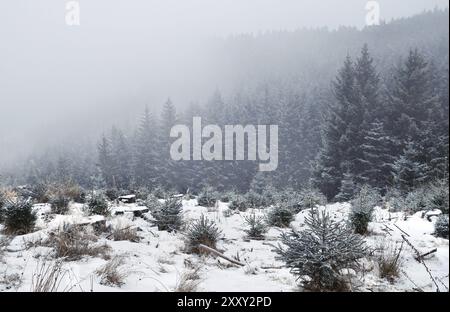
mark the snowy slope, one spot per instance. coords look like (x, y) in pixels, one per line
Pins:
(159, 261)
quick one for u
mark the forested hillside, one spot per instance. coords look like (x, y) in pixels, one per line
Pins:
(373, 109)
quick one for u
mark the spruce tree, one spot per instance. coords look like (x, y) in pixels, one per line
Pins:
(145, 159)
(167, 167)
(408, 171)
(337, 143)
(105, 161)
(347, 189)
(377, 159)
(318, 254)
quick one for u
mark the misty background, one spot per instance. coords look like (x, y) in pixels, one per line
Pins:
(62, 84)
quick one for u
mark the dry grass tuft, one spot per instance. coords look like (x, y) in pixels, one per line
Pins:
(189, 280)
(110, 274)
(74, 242)
(125, 234)
(390, 261)
(48, 277)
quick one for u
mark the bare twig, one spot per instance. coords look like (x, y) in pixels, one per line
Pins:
(219, 254)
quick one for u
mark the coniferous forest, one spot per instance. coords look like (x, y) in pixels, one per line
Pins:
(375, 112)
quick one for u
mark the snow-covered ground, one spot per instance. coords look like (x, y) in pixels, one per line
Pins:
(159, 262)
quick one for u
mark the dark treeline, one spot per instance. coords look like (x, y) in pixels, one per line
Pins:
(381, 121)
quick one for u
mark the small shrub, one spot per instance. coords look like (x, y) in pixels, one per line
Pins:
(168, 217)
(202, 231)
(311, 198)
(269, 195)
(417, 200)
(239, 203)
(362, 209)
(40, 192)
(389, 262)
(97, 204)
(152, 203)
(207, 197)
(254, 200)
(59, 203)
(110, 274)
(318, 254)
(160, 193)
(73, 191)
(280, 216)
(288, 196)
(73, 243)
(227, 197)
(394, 200)
(441, 226)
(290, 199)
(112, 194)
(142, 193)
(438, 196)
(125, 234)
(19, 216)
(257, 227)
(80, 197)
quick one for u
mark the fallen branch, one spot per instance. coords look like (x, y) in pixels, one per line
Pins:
(421, 257)
(402, 230)
(272, 267)
(219, 254)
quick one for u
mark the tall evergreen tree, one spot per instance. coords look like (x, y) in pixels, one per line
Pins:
(408, 171)
(105, 161)
(377, 159)
(168, 168)
(337, 143)
(145, 159)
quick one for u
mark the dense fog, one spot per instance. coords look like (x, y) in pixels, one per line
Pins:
(62, 83)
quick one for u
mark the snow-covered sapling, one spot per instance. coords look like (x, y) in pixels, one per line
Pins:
(394, 200)
(254, 200)
(19, 216)
(227, 197)
(438, 196)
(98, 204)
(208, 197)
(256, 226)
(441, 226)
(168, 216)
(289, 197)
(239, 202)
(40, 192)
(152, 203)
(59, 203)
(318, 254)
(281, 216)
(311, 198)
(142, 193)
(362, 209)
(112, 194)
(204, 232)
(417, 200)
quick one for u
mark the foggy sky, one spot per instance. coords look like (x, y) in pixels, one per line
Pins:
(57, 81)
